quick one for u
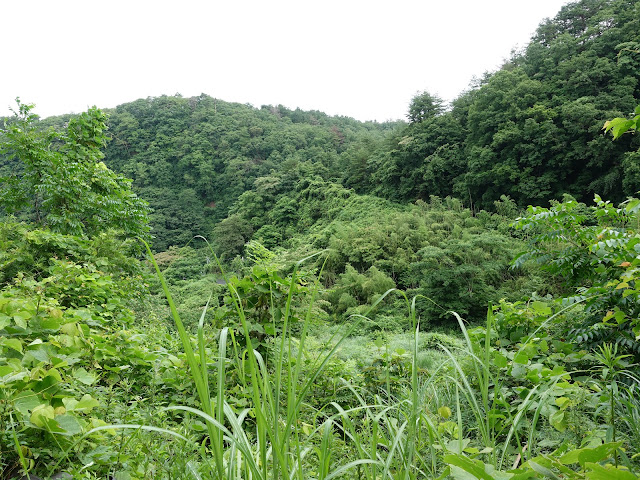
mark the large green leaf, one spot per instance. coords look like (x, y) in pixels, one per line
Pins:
(69, 424)
(474, 467)
(12, 343)
(609, 472)
(584, 455)
(25, 401)
(84, 377)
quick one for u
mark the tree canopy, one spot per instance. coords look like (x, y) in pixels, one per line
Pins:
(60, 181)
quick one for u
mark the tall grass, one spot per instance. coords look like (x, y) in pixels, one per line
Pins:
(275, 446)
(384, 436)
(485, 397)
(387, 438)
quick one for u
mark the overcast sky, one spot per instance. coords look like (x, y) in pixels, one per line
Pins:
(360, 58)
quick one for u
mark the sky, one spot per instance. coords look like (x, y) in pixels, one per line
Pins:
(362, 59)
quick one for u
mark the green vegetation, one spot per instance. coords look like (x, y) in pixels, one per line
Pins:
(532, 130)
(61, 182)
(328, 298)
(191, 158)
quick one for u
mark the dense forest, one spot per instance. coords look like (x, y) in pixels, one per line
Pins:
(192, 288)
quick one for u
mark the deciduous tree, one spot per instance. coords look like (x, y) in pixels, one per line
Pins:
(61, 181)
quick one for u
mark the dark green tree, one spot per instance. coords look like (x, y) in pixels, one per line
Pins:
(425, 106)
(531, 130)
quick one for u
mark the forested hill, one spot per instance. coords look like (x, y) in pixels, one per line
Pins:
(317, 343)
(191, 158)
(531, 131)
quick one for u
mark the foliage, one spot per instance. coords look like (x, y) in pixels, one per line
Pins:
(541, 366)
(531, 130)
(591, 462)
(494, 391)
(272, 456)
(58, 368)
(64, 306)
(468, 254)
(509, 389)
(619, 126)
(93, 380)
(63, 184)
(389, 371)
(192, 158)
(265, 297)
(98, 274)
(594, 250)
(44, 351)
(438, 250)
(425, 106)
(358, 290)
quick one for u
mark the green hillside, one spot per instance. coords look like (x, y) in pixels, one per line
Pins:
(192, 288)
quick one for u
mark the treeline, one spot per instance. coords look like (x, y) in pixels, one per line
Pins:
(532, 130)
(299, 181)
(191, 158)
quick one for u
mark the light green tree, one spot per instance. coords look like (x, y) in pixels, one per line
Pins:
(62, 183)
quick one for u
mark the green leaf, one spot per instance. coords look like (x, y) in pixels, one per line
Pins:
(40, 354)
(45, 386)
(25, 401)
(12, 343)
(618, 126)
(632, 204)
(86, 404)
(69, 424)
(541, 308)
(521, 358)
(473, 467)
(518, 371)
(542, 470)
(500, 360)
(21, 318)
(533, 376)
(40, 414)
(598, 472)
(460, 474)
(83, 376)
(584, 455)
(51, 323)
(453, 446)
(558, 420)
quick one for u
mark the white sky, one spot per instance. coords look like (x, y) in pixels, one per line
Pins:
(359, 58)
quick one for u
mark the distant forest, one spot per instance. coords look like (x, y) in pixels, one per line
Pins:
(531, 131)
